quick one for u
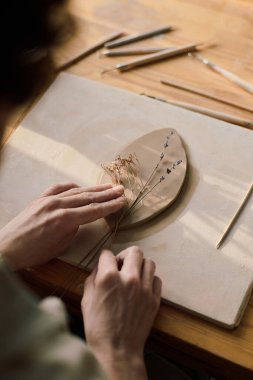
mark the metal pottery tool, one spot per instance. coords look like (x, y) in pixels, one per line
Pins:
(138, 37)
(225, 73)
(121, 53)
(168, 53)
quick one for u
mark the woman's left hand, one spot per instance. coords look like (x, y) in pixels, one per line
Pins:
(46, 227)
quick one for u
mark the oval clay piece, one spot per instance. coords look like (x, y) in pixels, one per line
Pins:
(161, 160)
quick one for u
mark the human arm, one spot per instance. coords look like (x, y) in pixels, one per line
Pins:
(47, 226)
(121, 299)
(35, 343)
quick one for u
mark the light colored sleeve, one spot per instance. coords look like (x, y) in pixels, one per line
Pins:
(34, 339)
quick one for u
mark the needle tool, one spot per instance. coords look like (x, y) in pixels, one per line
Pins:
(225, 73)
(168, 53)
(138, 37)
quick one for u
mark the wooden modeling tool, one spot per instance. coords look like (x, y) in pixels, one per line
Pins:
(121, 53)
(168, 53)
(205, 94)
(225, 73)
(215, 114)
(225, 233)
(207, 111)
(87, 52)
(138, 37)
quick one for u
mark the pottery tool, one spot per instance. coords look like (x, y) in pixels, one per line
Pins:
(139, 51)
(225, 73)
(137, 37)
(206, 111)
(205, 94)
(235, 217)
(168, 53)
(87, 52)
(215, 114)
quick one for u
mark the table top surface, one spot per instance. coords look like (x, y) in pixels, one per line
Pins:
(228, 23)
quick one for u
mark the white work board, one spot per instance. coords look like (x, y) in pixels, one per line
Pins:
(79, 124)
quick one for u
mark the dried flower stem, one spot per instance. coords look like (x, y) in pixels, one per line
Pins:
(166, 144)
(125, 166)
(93, 252)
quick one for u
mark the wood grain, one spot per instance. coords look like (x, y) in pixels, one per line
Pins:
(225, 354)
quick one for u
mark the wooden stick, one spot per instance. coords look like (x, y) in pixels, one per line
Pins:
(87, 52)
(121, 53)
(138, 37)
(193, 90)
(215, 114)
(235, 217)
(168, 53)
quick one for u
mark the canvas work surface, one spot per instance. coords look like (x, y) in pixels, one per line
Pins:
(79, 124)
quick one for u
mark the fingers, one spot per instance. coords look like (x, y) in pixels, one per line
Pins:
(157, 287)
(59, 188)
(88, 288)
(70, 188)
(94, 211)
(80, 190)
(107, 267)
(148, 272)
(95, 195)
(132, 261)
(90, 280)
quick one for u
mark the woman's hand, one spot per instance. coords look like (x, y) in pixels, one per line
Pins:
(121, 299)
(46, 227)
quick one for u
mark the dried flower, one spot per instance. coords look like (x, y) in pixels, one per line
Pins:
(122, 169)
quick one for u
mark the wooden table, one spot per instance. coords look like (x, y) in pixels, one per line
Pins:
(184, 338)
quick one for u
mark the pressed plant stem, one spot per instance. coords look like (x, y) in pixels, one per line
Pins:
(69, 278)
(141, 195)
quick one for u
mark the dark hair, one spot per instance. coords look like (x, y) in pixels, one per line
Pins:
(28, 31)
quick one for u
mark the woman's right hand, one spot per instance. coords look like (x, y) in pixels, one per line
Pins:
(119, 305)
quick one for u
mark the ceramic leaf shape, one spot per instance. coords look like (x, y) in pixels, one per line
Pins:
(152, 169)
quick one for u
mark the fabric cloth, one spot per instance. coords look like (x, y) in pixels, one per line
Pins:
(34, 339)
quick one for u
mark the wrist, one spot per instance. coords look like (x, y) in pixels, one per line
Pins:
(122, 365)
